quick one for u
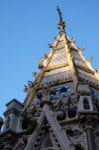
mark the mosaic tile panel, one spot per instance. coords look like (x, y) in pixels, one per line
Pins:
(89, 79)
(56, 71)
(58, 58)
(55, 78)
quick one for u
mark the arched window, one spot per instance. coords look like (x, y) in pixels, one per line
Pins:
(86, 104)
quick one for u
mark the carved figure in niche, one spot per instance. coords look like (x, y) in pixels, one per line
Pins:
(86, 104)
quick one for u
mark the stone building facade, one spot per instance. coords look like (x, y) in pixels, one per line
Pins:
(61, 108)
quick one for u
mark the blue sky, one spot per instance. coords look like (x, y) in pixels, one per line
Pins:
(26, 28)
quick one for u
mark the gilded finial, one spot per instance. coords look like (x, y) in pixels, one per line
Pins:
(61, 24)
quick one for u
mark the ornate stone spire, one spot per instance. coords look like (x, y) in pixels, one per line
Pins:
(61, 24)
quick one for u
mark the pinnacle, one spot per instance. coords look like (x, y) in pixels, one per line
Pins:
(61, 24)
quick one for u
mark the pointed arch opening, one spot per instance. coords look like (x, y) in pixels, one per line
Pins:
(86, 104)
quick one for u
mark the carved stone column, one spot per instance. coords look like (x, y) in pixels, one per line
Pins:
(90, 137)
(90, 121)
